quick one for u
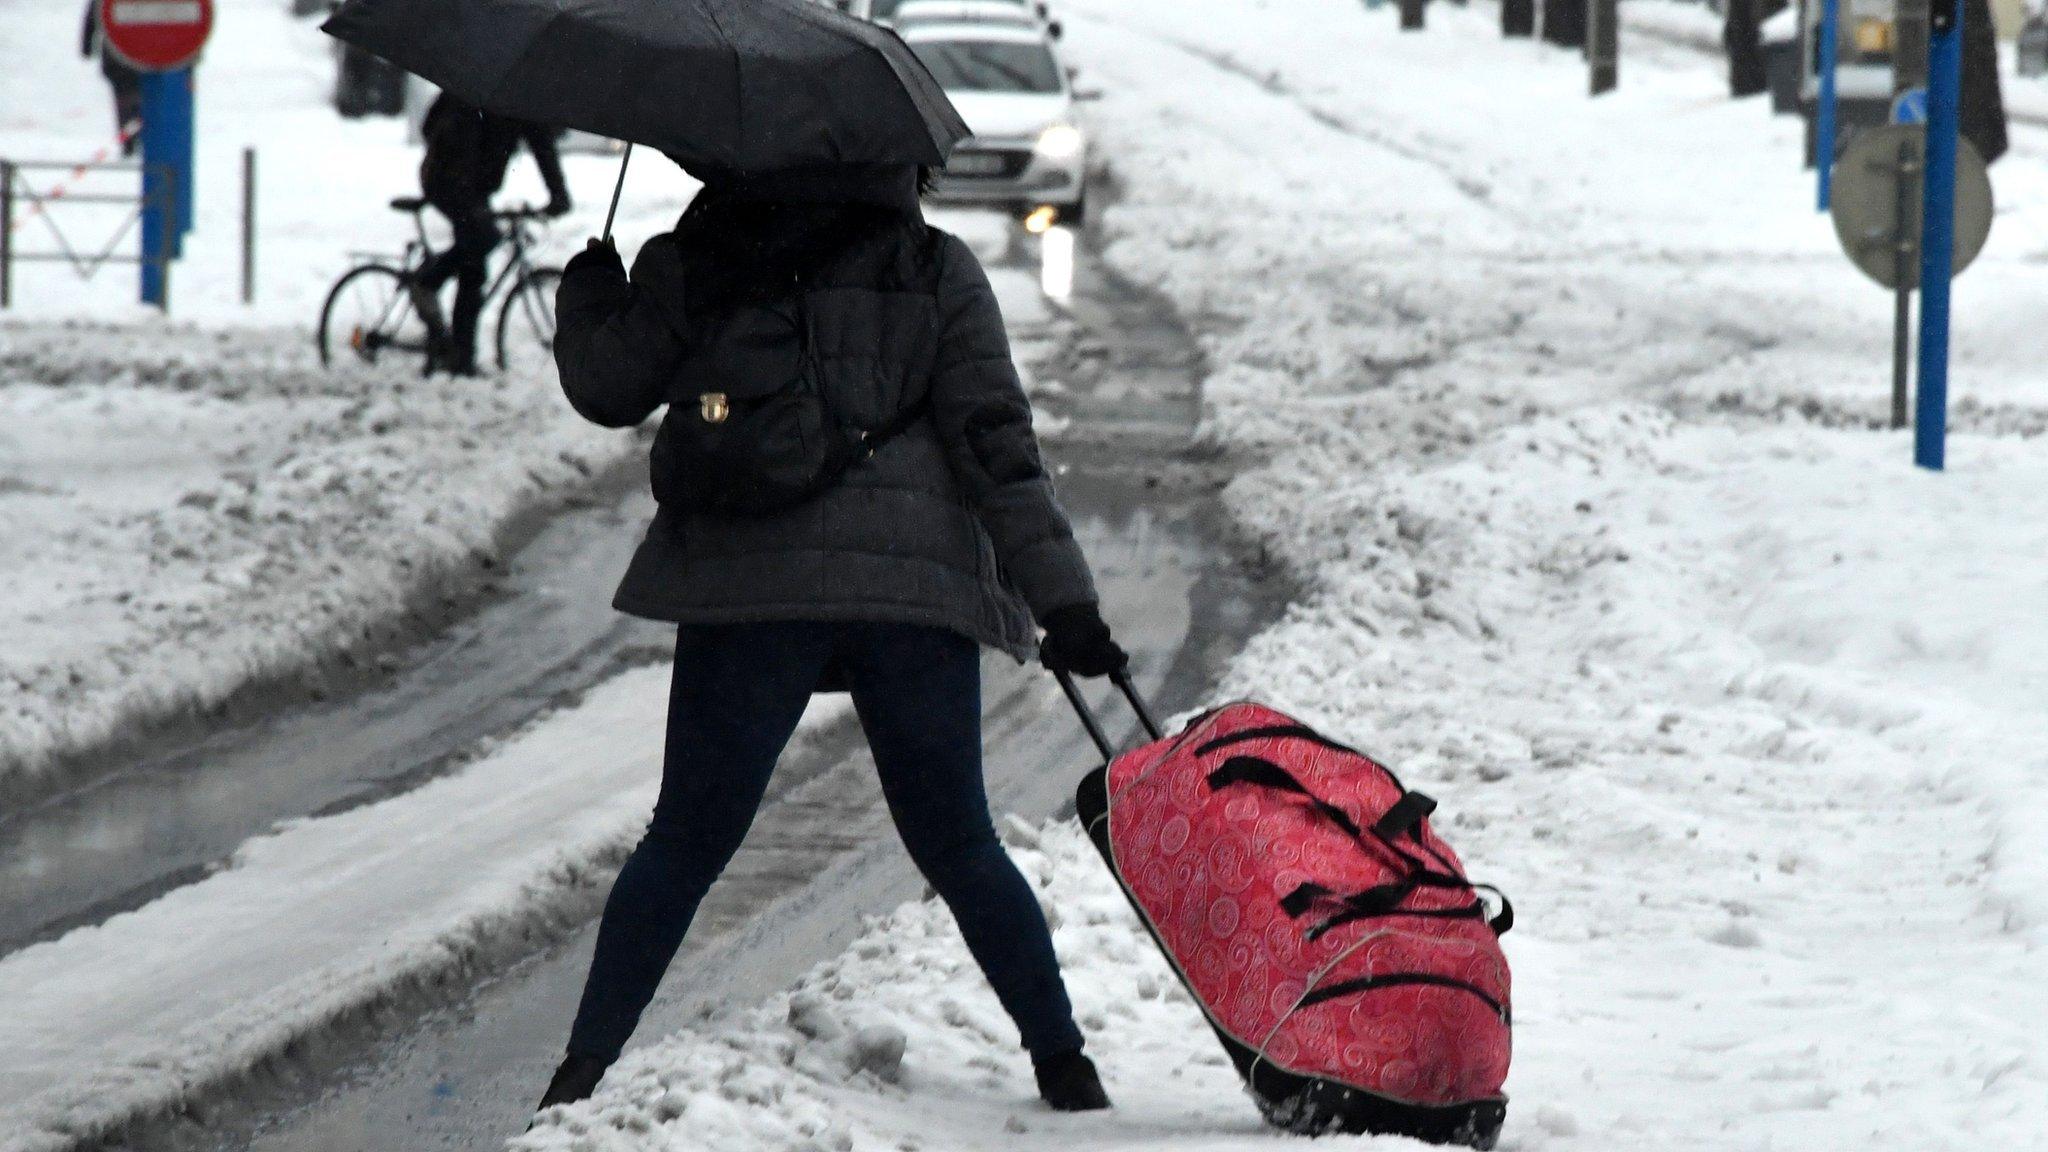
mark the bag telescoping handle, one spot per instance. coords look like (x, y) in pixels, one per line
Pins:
(1130, 690)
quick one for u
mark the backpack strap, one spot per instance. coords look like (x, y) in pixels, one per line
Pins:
(907, 417)
(873, 441)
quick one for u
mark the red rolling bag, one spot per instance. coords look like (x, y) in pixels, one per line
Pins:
(1353, 973)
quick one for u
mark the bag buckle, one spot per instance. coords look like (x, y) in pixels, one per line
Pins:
(713, 407)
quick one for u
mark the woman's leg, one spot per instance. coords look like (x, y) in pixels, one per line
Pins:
(738, 693)
(918, 693)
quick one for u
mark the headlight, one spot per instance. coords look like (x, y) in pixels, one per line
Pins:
(1060, 142)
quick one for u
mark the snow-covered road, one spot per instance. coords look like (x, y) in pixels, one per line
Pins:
(1569, 417)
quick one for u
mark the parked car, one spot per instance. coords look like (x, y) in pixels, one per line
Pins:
(914, 12)
(1027, 152)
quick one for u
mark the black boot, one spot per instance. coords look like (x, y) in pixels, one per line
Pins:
(1068, 1082)
(575, 1080)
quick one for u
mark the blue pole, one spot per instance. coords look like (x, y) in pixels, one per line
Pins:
(1937, 231)
(1824, 116)
(160, 183)
(183, 125)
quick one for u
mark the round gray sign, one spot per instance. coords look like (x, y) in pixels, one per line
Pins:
(1872, 223)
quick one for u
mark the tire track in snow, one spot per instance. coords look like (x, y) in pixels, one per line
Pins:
(1424, 151)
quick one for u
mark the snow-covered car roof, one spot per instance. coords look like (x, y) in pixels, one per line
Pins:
(971, 30)
(964, 12)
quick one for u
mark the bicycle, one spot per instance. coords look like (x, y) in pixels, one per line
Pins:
(369, 312)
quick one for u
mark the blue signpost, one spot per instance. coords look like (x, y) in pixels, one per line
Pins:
(167, 148)
(1824, 114)
(162, 40)
(1937, 231)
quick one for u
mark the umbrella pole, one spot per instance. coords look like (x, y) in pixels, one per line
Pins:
(616, 190)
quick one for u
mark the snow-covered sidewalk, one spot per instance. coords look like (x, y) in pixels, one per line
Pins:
(1565, 412)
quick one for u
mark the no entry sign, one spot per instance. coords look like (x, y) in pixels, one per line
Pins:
(156, 35)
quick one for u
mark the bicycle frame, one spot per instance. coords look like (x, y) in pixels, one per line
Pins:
(517, 267)
(500, 288)
(518, 235)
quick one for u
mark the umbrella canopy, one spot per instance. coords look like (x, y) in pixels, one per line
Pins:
(727, 85)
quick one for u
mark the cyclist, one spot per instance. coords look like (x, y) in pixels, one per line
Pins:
(468, 151)
(125, 81)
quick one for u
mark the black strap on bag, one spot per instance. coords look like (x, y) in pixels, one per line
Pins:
(1403, 818)
(1266, 774)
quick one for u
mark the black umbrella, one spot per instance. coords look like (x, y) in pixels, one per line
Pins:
(740, 86)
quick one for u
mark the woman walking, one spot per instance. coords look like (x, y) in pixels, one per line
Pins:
(937, 535)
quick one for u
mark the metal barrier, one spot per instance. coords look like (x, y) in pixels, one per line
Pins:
(16, 191)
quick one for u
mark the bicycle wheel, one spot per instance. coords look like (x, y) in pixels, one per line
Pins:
(369, 317)
(526, 323)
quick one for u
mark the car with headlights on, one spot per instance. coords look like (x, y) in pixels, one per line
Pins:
(1028, 152)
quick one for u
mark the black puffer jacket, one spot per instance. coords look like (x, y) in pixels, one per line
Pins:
(953, 524)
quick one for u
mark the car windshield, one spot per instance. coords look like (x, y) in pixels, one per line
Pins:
(990, 65)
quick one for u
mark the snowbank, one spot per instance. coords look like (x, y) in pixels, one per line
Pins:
(185, 510)
(1770, 845)
(1563, 407)
(185, 513)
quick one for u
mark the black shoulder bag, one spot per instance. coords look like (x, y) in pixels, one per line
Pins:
(750, 456)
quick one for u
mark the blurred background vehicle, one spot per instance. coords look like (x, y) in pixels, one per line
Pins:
(1027, 154)
(914, 12)
(1874, 38)
(885, 11)
(363, 84)
(1866, 50)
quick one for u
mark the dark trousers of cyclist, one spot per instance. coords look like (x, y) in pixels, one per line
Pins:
(738, 692)
(468, 261)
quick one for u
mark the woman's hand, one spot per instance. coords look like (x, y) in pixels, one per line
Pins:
(1078, 642)
(597, 254)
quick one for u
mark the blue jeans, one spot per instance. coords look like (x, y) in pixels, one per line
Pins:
(737, 695)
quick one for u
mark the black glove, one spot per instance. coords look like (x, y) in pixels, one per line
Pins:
(558, 207)
(1078, 642)
(597, 254)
